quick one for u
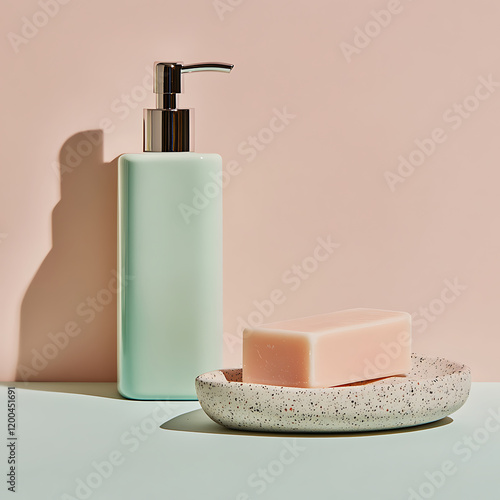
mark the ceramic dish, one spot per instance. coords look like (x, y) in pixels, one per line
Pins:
(433, 389)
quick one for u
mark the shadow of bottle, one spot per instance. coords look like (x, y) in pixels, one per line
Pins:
(68, 314)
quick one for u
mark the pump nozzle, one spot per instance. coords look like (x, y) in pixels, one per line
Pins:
(226, 68)
(166, 128)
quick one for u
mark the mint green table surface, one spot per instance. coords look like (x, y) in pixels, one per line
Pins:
(79, 440)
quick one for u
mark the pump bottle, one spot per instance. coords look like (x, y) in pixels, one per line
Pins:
(170, 305)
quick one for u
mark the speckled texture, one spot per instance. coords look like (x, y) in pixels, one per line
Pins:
(434, 389)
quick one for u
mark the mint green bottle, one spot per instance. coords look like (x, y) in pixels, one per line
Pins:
(170, 249)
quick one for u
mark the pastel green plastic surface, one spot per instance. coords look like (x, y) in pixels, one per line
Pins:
(170, 261)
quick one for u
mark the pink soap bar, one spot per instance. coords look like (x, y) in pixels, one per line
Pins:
(329, 349)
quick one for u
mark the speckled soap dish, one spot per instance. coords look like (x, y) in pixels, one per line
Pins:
(433, 389)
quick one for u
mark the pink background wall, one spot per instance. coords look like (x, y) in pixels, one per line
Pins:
(423, 239)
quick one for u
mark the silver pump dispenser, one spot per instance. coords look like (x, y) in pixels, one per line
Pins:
(166, 128)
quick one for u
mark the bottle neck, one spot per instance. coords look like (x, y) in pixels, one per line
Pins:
(166, 130)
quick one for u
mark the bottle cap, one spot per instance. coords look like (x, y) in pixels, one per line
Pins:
(166, 128)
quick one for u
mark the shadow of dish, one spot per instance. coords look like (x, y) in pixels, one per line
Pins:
(198, 421)
(68, 314)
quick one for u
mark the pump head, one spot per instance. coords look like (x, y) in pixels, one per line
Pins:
(166, 128)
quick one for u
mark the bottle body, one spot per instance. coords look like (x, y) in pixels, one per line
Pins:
(170, 253)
